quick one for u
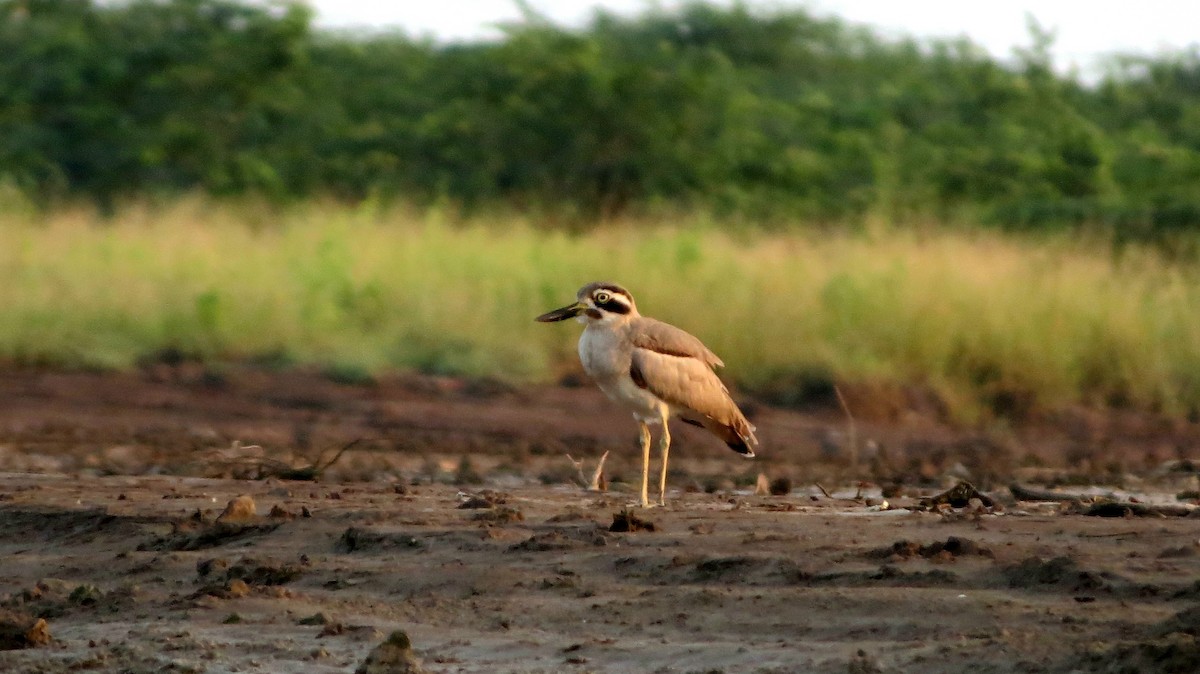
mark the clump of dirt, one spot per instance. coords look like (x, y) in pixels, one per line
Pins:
(562, 539)
(394, 656)
(250, 571)
(1062, 572)
(501, 515)
(21, 630)
(53, 598)
(315, 619)
(958, 496)
(627, 521)
(240, 509)
(361, 632)
(780, 486)
(1171, 647)
(278, 512)
(886, 575)
(1186, 621)
(748, 570)
(68, 526)
(199, 535)
(938, 551)
(234, 589)
(571, 515)
(357, 539)
(205, 567)
(484, 499)
(1174, 653)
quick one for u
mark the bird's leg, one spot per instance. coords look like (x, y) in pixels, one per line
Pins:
(664, 446)
(645, 430)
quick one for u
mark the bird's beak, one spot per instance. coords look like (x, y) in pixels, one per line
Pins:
(562, 314)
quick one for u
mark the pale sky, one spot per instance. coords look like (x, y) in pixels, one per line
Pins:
(1084, 28)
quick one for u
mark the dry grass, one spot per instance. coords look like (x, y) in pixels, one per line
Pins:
(990, 322)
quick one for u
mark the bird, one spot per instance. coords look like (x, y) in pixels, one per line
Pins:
(655, 370)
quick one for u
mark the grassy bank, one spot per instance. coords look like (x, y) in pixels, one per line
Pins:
(990, 323)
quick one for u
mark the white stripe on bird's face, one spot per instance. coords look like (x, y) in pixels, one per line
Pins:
(605, 307)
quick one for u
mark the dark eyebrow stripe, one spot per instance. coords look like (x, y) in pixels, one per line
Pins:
(616, 306)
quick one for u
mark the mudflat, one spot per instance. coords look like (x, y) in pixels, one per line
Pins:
(455, 518)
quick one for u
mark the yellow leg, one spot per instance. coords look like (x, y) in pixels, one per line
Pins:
(645, 463)
(664, 446)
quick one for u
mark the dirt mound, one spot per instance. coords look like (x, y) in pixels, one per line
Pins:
(22, 630)
(249, 570)
(1173, 653)
(393, 656)
(1065, 574)
(357, 539)
(195, 534)
(70, 526)
(626, 521)
(54, 598)
(1186, 621)
(750, 570)
(567, 538)
(938, 551)
(885, 575)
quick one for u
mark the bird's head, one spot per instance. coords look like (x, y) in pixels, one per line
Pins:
(597, 302)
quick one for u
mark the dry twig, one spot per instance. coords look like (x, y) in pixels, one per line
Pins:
(596, 482)
(1023, 493)
(264, 467)
(851, 428)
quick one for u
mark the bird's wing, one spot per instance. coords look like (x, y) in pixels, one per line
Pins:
(690, 386)
(667, 339)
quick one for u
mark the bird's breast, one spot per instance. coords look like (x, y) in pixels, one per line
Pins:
(603, 354)
(606, 356)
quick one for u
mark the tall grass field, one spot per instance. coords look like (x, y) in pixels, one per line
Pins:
(991, 323)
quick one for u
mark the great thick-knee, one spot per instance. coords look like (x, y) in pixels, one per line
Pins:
(655, 370)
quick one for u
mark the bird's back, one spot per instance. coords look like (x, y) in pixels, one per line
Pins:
(677, 368)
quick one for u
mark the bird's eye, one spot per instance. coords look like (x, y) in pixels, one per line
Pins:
(602, 297)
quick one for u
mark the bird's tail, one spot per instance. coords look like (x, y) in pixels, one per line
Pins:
(746, 442)
(738, 435)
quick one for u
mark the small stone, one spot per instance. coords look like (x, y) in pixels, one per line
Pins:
(239, 509)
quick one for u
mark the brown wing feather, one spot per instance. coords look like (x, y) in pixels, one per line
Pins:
(691, 387)
(667, 339)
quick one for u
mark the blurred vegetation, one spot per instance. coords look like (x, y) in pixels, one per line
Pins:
(752, 115)
(995, 326)
(221, 180)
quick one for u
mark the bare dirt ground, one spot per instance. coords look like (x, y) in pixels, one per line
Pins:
(111, 487)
